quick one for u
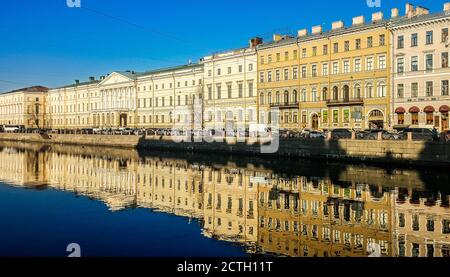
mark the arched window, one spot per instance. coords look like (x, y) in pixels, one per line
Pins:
(277, 97)
(303, 95)
(325, 94)
(269, 98)
(286, 97)
(346, 93)
(294, 97)
(381, 89)
(335, 93)
(261, 98)
(369, 90)
(357, 91)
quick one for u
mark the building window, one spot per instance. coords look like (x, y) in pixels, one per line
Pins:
(369, 90)
(240, 68)
(269, 76)
(445, 227)
(429, 62)
(286, 56)
(314, 50)
(415, 90)
(261, 59)
(314, 70)
(444, 59)
(295, 54)
(335, 68)
(445, 89)
(429, 38)
(429, 88)
(303, 71)
(295, 73)
(250, 89)
(219, 92)
(414, 40)
(444, 35)
(304, 53)
(358, 44)
(369, 42)
(415, 63)
(325, 69)
(347, 46)
(269, 59)
(400, 65)
(240, 90)
(382, 89)
(382, 62)
(358, 65)
(261, 77)
(335, 116)
(286, 74)
(250, 67)
(382, 40)
(400, 42)
(430, 225)
(277, 75)
(230, 91)
(261, 98)
(336, 47)
(369, 64)
(303, 95)
(278, 57)
(314, 95)
(346, 67)
(325, 49)
(400, 90)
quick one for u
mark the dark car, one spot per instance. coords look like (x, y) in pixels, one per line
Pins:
(445, 136)
(423, 134)
(341, 134)
(385, 135)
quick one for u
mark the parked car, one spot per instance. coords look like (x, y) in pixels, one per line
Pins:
(386, 135)
(445, 136)
(341, 134)
(87, 131)
(316, 135)
(424, 134)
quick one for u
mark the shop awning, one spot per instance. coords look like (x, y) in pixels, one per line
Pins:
(444, 109)
(414, 110)
(400, 110)
(429, 109)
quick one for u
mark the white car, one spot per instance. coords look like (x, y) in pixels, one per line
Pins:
(316, 135)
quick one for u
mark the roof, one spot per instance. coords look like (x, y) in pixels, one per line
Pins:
(28, 89)
(168, 69)
(401, 21)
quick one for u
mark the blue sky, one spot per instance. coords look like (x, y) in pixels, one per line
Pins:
(43, 42)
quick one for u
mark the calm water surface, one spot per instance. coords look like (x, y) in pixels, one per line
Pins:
(127, 203)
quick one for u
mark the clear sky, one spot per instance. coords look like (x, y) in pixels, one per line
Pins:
(43, 42)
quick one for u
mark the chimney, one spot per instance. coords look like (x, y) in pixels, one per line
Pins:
(358, 20)
(394, 13)
(447, 7)
(317, 29)
(409, 10)
(77, 82)
(376, 17)
(337, 25)
(255, 42)
(277, 37)
(91, 79)
(302, 33)
(422, 11)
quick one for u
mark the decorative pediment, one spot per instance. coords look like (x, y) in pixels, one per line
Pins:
(115, 78)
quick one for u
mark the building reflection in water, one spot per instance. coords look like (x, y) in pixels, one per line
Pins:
(269, 212)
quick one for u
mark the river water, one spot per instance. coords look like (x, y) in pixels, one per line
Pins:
(125, 203)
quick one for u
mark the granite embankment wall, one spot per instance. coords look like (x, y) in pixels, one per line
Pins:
(404, 152)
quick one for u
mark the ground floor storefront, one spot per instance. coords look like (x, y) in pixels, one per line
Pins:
(427, 115)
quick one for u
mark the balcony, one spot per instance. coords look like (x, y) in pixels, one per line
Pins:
(284, 105)
(345, 102)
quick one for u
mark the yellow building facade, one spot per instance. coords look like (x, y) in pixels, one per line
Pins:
(328, 80)
(24, 107)
(278, 82)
